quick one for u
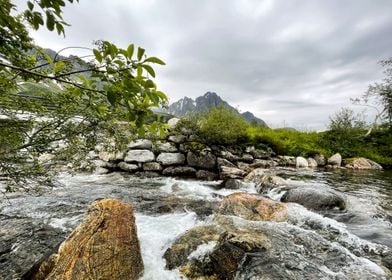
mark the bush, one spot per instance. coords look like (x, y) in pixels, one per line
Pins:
(223, 126)
(218, 126)
(287, 141)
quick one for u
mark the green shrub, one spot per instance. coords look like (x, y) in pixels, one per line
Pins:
(223, 126)
(287, 141)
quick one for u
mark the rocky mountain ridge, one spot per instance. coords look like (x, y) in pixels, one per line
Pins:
(203, 103)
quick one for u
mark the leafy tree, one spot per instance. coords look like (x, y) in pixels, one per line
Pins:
(109, 96)
(379, 96)
(345, 134)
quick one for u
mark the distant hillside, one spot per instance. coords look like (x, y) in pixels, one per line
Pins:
(203, 103)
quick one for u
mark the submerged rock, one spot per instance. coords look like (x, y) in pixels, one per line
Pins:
(177, 255)
(233, 184)
(104, 244)
(269, 182)
(315, 198)
(253, 207)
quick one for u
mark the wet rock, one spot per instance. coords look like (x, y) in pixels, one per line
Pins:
(260, 153)
(205, 160)
(253, 207)
(248, 158)
(101, 171)
(104, 244)
(229, 156)
(177, 255)
(171, 204)
(139, 156)
(224, 162)
(147, 174)
(128, 166)
(315, 198)
(335, 160)
(287, 160)
(244, 166)
(171, 158)
(362, 164)
(312, 163)
(255, 175)
(104, 164)
(234, 184)
(165, 147)
(177, 139)
(263, 163)
(301, 162)
(140, 144)
(233, 246)
(231, 173)
(179, 171)
(23, 242)
(269, 182)
(206, 175)
(387, 260)
(152, 166)
(320, 159)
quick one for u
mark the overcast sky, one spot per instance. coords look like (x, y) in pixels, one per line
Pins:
(290, 62)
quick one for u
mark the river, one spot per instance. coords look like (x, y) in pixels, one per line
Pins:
(32, 224)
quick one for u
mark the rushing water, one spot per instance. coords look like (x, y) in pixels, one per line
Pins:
(30, 225)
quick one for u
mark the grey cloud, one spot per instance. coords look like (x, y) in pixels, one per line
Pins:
(281, 59)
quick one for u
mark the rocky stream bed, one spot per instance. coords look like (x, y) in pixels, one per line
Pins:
(333, 224)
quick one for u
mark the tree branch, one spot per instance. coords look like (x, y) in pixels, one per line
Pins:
(49, 77)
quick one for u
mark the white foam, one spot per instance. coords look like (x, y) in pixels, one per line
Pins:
(202, 250)
(156, 234)
(201, 189)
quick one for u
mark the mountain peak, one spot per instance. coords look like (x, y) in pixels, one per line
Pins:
(204, 103)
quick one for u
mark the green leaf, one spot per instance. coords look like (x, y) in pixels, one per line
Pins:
(59, 66)
(149, 69)
(30, 5)
(150, 84)
(97, 55)
(155, 60)
(59, 28)
(50, 21)
(141, 131)
(130, 50)
(140, 52)
(139, 71)
(111, 96)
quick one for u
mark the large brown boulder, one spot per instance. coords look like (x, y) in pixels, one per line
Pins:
(103, 246)
(253, 207)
